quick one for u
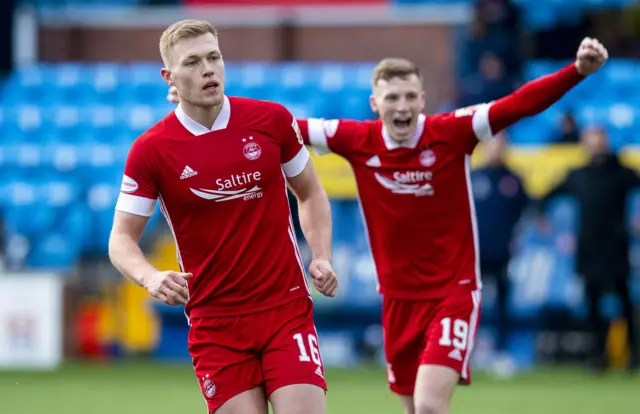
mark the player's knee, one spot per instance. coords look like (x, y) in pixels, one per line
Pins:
(430, 405)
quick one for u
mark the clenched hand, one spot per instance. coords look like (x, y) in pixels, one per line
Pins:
(591, 56)
(169, 287)
(324, 278)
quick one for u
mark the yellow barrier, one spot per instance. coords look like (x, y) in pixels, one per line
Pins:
(618, 351)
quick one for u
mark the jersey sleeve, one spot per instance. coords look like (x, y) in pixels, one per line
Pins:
(293, 154)
(139, 190)
(479, 122)
(330, 135)
(464, 127)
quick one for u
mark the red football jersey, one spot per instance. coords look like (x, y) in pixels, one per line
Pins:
(416, 198)
(223, 193)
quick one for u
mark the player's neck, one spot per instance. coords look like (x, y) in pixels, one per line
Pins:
(205, 116)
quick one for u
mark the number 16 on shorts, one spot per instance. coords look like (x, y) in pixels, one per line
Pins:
(308, 348)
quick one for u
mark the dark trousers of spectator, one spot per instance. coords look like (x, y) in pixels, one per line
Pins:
(599, 325)
(498, 273)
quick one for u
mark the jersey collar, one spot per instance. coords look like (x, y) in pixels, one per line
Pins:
(412, 142)
(197, 129)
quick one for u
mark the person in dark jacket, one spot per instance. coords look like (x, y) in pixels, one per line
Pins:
(500, 200)
(601, 190)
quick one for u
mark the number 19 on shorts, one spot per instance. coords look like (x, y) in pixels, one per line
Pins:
(454, 332)
(312, 343)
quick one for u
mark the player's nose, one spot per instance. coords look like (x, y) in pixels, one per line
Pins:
(207, 69)
(403, 105)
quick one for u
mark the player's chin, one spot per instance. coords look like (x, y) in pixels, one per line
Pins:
(401, 133)
(212, 99)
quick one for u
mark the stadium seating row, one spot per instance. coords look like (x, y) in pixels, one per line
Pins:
(79, 148)
(111, 83)
(74, 125)
(112, 103)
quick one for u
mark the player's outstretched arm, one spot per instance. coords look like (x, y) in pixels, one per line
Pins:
(538, 95)
(125, 254)
(304, 131)
(331, 135)
(315, 220)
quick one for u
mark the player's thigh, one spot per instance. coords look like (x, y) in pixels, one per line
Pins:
(291, 356)
(404, 325)
(252, 401)
(299, 399)
(224, 363)
(435, 385)
(452, 332)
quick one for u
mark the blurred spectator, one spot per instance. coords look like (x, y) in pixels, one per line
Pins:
(501, 14)
(500, 200)
(497, 40)
(568, 130)
(493, 58)
(481, 40)
(491, 82)
(601, 190)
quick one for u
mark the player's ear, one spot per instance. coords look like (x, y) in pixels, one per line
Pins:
(166, 75)
(373, 104)
(423, 100)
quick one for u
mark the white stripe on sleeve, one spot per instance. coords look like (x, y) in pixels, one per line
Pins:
(140, 206)
(480, 122)
(295, 166)
(317, 136)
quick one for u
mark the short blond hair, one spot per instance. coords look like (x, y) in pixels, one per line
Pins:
(184, 29)
(394, 68)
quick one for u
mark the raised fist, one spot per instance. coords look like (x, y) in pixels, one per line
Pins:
(591, 56)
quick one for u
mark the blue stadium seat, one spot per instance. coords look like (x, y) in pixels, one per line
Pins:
(65, 120)
(57, 250)
(23, 122)
(109, 83)
(621, 79)
(256, 80)
(593, 114)
(27, 85)
(72, 83)
(137, 118)
(42, 213)
(101, 200)
(563, 215)
(145, 84)
(101, 122)
(538, 68)
(295, 81)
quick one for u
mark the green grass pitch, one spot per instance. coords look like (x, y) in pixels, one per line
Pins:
(147, 388)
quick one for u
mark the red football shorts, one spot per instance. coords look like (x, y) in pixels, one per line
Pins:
(269, 349)
(429, 332)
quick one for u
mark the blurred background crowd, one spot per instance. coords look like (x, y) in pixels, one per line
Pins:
(80, 80)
